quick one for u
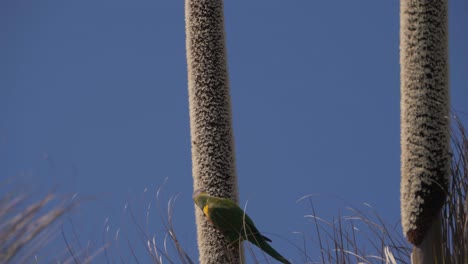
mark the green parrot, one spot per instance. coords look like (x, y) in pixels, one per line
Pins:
(233, 222)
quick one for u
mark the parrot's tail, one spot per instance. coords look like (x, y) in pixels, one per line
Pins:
(263, 245)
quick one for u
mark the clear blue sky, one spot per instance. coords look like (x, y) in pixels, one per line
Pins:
(94, 101)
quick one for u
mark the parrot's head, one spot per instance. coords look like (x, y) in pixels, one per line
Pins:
(200, 197)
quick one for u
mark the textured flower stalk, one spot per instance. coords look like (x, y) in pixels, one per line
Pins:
(213, 157)
(425, 138)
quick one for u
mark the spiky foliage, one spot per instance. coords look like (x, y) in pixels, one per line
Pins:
(425, 135)
(455, 210)
(361, 236)
(27, 225)
(148, 240)
(213, 164)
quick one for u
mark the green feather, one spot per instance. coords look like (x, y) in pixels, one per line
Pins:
(233, 222)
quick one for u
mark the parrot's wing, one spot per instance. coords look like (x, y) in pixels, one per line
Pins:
(227, 217)
(252, 229)
(231, 220)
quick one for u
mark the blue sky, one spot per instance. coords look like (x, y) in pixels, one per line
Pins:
(94, 101)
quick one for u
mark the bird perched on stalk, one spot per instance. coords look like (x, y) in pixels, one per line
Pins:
(233, 222)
